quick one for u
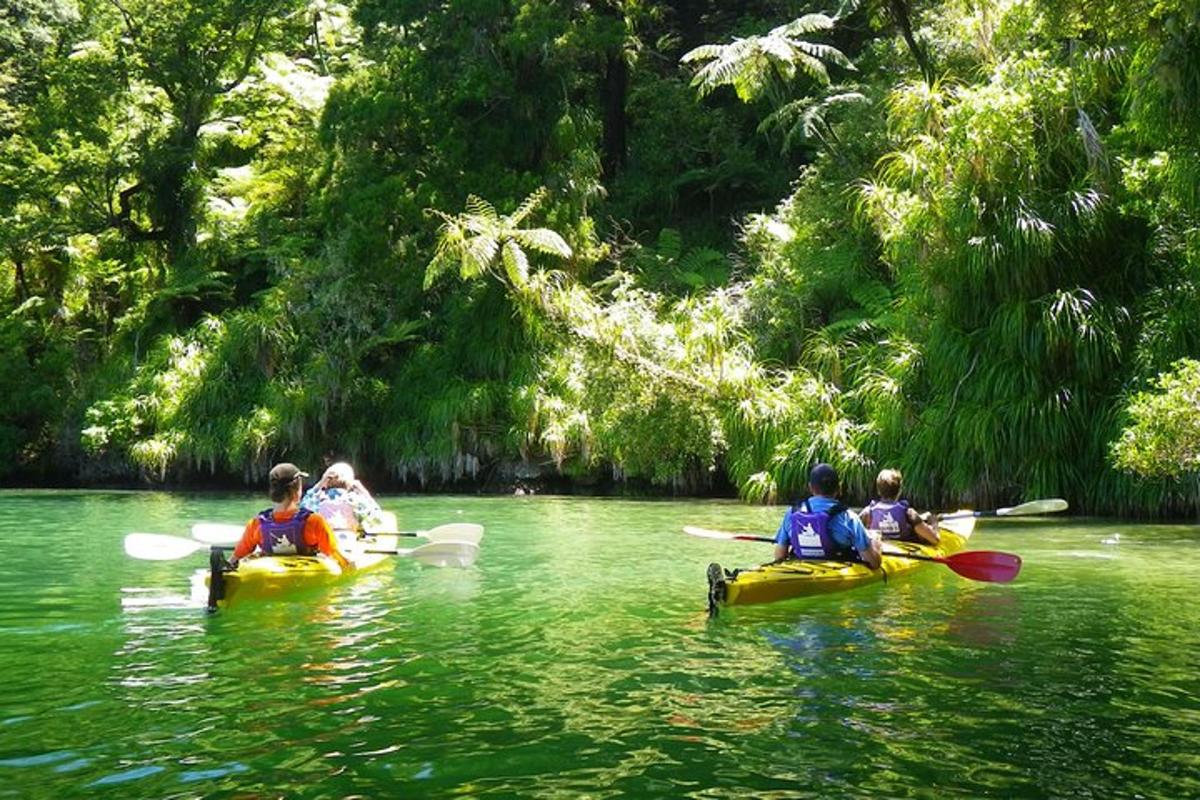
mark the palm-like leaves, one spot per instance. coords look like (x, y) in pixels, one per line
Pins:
(480, 241)
(758, 65)
(807, 119)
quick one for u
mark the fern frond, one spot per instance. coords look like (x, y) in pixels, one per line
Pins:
(783, 51)
(477, 255)
(703, 53)
(438, 266)
(813, 67)
(806, 24)
(479, 207)
(516, 265)
(543, 240)
(670, 243)
(824, 52)
(528, 206)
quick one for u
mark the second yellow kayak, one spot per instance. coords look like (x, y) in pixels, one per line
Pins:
(801, 578)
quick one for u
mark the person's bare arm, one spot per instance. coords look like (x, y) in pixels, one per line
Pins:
(781, 551)
(925, 529)
(873, 557)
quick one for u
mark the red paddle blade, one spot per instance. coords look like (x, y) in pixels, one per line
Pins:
(984, 565)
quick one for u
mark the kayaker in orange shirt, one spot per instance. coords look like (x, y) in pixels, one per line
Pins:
(285, 528)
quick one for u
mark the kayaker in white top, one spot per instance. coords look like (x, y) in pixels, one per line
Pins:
(343, 499)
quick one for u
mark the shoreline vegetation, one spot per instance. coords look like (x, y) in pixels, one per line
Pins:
(663, 247)
(504, 483)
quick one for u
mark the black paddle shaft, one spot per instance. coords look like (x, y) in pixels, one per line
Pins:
(217, 566)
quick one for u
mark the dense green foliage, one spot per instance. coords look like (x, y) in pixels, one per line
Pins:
(665, 242)
(1164, 439)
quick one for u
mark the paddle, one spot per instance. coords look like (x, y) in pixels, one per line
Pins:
(439, 554)
(222, 534)
(160, 547)
(979, 565)
(705, 533)
(1032, 507)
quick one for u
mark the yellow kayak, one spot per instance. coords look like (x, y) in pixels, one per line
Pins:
(274, 577)
(802, 578)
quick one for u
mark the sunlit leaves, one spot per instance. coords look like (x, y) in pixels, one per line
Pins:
(759, 65)
(1163, 437)
(480, 241)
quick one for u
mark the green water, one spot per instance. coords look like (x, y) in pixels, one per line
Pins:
(575, 658)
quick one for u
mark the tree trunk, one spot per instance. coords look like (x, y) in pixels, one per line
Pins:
(616, 86)
(22, 284)
(899, 13)
(177, 190)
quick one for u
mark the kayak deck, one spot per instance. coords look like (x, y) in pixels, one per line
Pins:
(793, 578)
(276, 577)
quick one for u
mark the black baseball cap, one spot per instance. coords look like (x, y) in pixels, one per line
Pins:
(285, 473)
(824, 479)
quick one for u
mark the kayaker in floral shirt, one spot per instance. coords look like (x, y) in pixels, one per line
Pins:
(343, 500)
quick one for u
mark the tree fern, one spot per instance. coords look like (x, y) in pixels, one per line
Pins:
(761, 65)
(481, 241)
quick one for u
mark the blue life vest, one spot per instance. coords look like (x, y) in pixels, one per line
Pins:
(890, 518)
(283, 538)
(810, 536)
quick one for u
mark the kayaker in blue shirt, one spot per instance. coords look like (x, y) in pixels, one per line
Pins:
(821, 527)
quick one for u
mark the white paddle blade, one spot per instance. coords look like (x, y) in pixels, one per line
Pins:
(445, 554)
(217, 533)
(467, 532)
(1034, 507)
(705, 533)
(158, 547)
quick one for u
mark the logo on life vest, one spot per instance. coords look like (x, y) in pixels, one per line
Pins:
(808, 536)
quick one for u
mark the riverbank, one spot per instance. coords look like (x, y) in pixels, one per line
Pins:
(507, 478)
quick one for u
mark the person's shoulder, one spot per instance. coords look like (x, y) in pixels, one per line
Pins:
(844, 512)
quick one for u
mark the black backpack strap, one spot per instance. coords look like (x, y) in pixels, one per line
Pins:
(851, 554)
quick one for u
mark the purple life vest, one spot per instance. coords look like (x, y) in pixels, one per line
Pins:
(810, 536)
(283, 538)
(890, 518)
